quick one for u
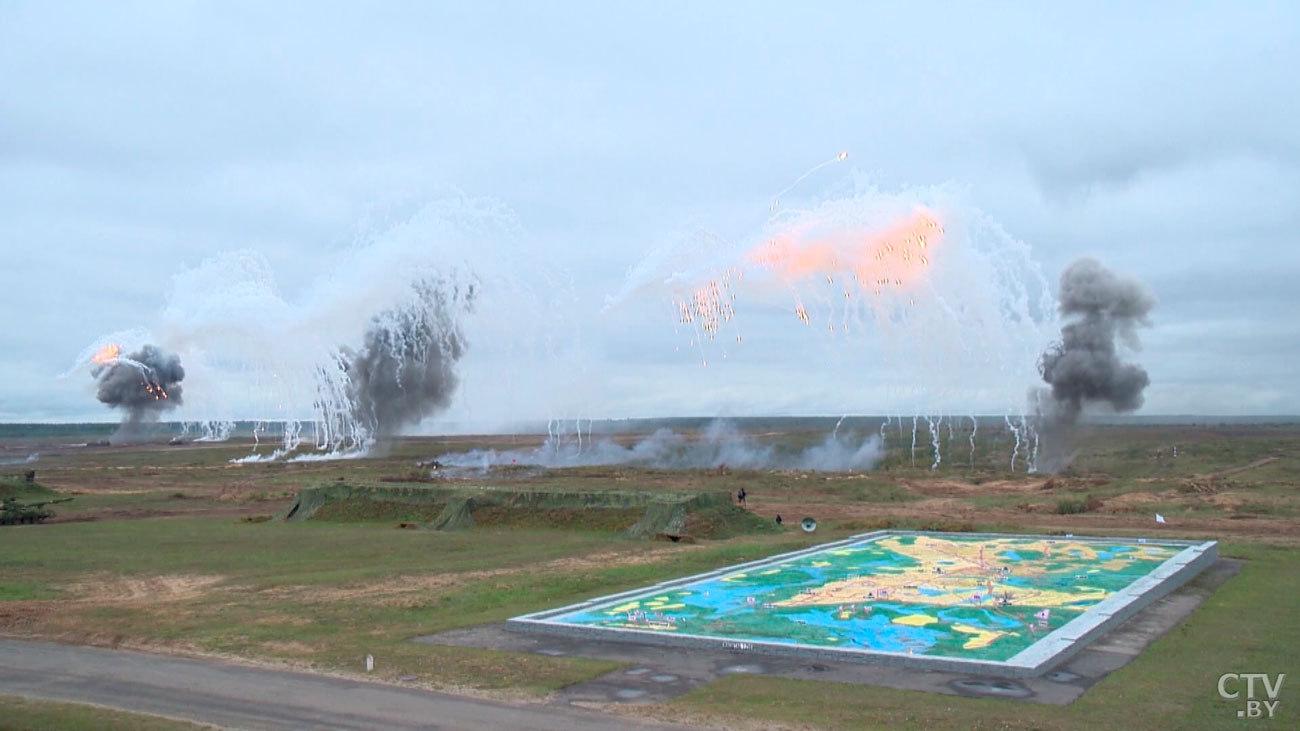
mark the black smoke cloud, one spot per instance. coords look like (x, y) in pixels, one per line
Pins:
(406, 368)
(143, 384)
(1084, 367)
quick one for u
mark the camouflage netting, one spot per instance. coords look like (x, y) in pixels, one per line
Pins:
(661, 513)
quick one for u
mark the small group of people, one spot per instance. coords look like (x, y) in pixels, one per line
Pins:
(740, 500)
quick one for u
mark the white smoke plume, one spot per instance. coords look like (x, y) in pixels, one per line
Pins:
(720, 444)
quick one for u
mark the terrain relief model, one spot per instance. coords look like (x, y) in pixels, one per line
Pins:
(957, 597)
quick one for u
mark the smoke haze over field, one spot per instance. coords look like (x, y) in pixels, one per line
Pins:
(143, 384)
(721, 443)
(1085, 367)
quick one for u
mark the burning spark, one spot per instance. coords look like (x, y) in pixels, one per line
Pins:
(710, 305)
(154, 389)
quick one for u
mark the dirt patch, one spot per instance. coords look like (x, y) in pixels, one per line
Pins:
(21, 616)
(938, 487)
(1142, 498)
(109, 491)
(284, 647)
(126, 590)
(1118, 516)
(401, 591)
(1229, 500)
(1243, 468)
(289, 620)
(207, 511)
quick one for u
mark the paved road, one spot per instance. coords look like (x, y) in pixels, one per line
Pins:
(236, 696)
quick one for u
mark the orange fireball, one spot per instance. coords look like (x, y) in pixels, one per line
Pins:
(107, 353)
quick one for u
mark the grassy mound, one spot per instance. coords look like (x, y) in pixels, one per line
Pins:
(727, 521)
(614, 520)
(630, 513)
(359, 510)
(20, 489)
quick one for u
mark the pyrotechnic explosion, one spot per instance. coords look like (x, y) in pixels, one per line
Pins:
(405, 371)
(943, 303)
(144, 384)
(1084, 367)
(865, 261)
(330, 374)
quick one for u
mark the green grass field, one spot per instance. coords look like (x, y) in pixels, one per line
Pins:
(26, 714)
(160, 550)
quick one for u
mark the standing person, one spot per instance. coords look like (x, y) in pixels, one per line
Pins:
(740, 497)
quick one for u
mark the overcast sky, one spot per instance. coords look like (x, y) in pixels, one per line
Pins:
(138, 140)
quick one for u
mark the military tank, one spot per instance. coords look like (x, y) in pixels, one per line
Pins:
(13, 512)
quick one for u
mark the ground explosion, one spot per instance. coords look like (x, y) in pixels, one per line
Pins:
(144, 384)
(1084, 366)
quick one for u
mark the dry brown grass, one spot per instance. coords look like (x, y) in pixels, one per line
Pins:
(107, 589)
(418, 588)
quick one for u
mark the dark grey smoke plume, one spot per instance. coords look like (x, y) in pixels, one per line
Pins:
(144, 384)
(405, 370)
(1084, 367)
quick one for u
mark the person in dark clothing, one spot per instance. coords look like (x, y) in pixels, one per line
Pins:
(778, 519)
(740, 496)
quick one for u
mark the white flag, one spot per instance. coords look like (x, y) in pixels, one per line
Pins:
(1160, 518)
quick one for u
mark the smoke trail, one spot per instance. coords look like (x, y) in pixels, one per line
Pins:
(209, 430)
(974, 427)
(720, 444)
(405, 370)
(934, 441)
(1015, 431)
(144, 384)
(1084, 367)
(914, 418)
